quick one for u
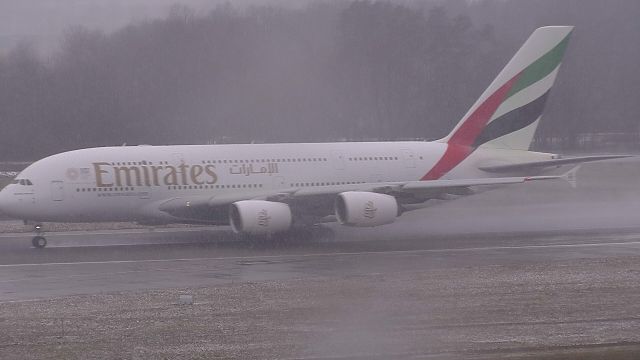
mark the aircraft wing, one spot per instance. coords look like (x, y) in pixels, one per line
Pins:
(417, 186)
(538, 165)
(192, 207)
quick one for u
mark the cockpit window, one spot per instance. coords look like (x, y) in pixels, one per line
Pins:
(22, 181)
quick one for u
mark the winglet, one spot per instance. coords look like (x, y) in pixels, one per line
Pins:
(571, 176)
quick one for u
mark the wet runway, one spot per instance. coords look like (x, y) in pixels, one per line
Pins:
(552, 295)
(71, 266)
(532, 223)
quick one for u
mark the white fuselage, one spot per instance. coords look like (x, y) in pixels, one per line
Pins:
(131, 183)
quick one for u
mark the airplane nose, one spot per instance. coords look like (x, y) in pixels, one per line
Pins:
(15, 206)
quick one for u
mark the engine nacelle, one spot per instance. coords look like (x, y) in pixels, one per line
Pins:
(259, 217)
(365, 209)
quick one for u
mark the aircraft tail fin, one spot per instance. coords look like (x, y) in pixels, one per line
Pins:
(508, 112)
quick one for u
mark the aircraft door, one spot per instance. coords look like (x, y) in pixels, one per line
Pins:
(57, 190)
(409, 158)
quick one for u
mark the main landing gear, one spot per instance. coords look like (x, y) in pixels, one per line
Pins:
(38, 241)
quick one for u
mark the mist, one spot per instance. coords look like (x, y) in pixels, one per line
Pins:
(211, 72)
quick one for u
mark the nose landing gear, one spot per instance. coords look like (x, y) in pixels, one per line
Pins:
(39, 241)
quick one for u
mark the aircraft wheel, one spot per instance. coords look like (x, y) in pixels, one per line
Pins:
(39, 242)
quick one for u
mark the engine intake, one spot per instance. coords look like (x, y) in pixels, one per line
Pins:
(259, 217)
(365, 209)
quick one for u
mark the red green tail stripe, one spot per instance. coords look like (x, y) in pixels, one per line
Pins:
(475, 123)
(465, 139)
(541, 67)
(512, 121)
(460, 144)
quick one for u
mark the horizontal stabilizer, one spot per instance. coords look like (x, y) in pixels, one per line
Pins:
(538, 165)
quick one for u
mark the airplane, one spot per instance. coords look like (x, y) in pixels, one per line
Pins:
(272, 189)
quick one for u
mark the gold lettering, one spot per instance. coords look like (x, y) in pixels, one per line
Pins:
(196, 171)
(145, 172)
(154, 170)
(171, 178)
(153, 175)
(210, 170)
(98, 171)
(183, 173)
(119, 170)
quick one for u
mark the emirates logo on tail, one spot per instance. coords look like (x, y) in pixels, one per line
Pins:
(370, 210)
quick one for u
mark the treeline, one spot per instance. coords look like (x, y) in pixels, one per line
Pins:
(329, 71)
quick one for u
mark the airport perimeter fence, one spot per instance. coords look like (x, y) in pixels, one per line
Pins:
(588, 143)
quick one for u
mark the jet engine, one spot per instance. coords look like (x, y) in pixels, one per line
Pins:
(259, 217)
(365, 209)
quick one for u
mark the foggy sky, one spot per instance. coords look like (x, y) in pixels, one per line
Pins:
(43, 22)
(335, 70)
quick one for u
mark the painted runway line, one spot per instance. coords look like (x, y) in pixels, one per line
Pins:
(337, 254)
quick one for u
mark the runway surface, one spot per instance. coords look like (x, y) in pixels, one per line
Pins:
(546, 267)
(40, 274)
